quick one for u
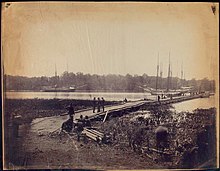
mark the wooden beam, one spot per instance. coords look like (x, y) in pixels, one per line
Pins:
(94, 132)
(90, 135)
(106, 114)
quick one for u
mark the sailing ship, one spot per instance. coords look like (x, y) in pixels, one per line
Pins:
(56, 88)
(168, 91)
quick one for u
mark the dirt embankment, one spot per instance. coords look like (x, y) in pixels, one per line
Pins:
(125, 151)
(30, 109)
(191, 136)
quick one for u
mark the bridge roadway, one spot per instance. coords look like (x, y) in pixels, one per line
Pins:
(50, 124)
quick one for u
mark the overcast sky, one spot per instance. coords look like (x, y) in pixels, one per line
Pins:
(107, 38)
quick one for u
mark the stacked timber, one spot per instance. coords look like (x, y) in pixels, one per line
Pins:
(95, 135)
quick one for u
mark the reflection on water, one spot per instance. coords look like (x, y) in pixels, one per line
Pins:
(202, 103)
(78, 95)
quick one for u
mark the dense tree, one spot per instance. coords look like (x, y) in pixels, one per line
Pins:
(111, 82)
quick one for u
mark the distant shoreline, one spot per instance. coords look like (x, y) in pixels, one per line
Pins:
(78, 91)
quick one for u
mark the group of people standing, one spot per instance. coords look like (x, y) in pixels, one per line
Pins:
(99, 103)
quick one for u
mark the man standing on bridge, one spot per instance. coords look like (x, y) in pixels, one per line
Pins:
(94, 104)
(103, 104)
(158, 97)
(98, 104)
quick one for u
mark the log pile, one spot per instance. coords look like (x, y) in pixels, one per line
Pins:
(95, 135)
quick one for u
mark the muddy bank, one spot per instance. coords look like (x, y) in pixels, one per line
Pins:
(191, 136)
(25, 110)
(51, 150)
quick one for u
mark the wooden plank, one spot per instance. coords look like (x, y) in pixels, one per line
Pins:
(97, 132)
(94, 132)
(119, 108)
(90, 135)
(106, 114)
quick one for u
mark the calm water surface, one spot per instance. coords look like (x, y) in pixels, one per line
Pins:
(190, 105)
(110, 96)
(79, 95)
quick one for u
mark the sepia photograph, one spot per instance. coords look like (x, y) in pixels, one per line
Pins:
(110, 85)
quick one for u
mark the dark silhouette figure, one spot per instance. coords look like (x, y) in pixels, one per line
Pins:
(79, 129)
(161, 137)
(98, 105)
(82, 120)
(94, 104)
(158, 98)
(103, 104)
(71, 111)
(67, 125)
(87, 122)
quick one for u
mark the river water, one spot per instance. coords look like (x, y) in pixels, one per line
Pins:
(110, 96)
(190, 105)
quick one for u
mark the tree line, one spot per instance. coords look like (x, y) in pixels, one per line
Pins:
(110, 82)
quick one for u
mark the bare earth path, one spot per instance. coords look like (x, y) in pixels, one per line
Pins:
(41, 150)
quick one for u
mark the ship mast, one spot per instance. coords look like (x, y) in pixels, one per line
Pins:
(177, 79)
(171, 76)
(55, 70)
(168, 78)
(182, 74)
(161, 74)
(157, 71)
(56, 77)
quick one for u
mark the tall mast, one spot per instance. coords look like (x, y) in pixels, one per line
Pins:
(184, 76)
(157, 71)
(182, 73)
(171, 75)
(168, 78)
(55, 70)
(56, 79)
(177, 74)
(161, 74)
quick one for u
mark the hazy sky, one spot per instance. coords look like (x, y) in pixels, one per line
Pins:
(110, 38)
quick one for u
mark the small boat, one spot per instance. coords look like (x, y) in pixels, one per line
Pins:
(58, 89)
